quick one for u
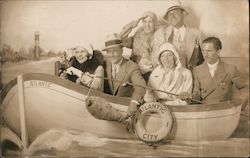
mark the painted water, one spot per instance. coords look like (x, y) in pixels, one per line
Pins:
(68, 143)
(57, 142)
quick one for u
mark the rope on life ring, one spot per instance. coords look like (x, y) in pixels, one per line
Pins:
(153, 109)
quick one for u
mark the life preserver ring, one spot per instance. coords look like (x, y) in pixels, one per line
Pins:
(154, 110)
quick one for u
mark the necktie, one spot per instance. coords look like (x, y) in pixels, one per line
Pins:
(178, 40)
(212, 70)
(178, 36)
(114, 69)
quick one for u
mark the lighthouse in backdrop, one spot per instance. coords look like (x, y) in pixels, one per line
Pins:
(36, 52)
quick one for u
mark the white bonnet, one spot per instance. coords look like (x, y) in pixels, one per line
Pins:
(169, 47)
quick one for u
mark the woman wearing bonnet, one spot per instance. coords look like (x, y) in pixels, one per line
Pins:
(140, 43)
(86, 67)
(168, 76)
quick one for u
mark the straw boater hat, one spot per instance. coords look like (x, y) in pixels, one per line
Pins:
(177, 5)
(113, 40)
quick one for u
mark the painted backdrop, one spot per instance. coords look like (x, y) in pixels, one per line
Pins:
(63, 24)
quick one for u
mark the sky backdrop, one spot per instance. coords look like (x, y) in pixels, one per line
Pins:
(65, 24)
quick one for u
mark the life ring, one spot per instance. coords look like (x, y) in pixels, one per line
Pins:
(153, 110)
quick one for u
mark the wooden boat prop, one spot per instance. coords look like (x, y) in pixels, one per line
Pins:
(52, 102)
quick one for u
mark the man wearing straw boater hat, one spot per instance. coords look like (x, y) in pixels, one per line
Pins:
(121, 71)
(184, 38)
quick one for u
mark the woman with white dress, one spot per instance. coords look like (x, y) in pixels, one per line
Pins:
(168, 76)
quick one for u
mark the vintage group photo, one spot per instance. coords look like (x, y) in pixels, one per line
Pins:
(124, 78)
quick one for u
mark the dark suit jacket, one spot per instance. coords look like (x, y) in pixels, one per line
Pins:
(128, 72)
(219, 88)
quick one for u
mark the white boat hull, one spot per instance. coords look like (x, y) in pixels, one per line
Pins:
(52, 102)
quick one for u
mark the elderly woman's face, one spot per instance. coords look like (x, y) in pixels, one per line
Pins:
(81, 54)
(148, 24)
(167, 59)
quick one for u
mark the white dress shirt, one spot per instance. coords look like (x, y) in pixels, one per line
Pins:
(213, 68)
(115, 68)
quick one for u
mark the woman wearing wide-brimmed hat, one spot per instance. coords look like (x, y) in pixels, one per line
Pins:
(86, 66)
(168, 76)
(140, 42)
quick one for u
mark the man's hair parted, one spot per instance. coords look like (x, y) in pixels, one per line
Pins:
(216, 42)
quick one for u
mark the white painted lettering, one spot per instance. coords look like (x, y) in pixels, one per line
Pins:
(149, 136)
(39, 84)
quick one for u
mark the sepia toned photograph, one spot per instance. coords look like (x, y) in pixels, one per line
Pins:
(124, 78)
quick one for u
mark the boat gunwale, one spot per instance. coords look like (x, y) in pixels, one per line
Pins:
(114, 99)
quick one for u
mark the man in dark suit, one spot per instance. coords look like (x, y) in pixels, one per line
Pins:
(214, 80)
(119, 71)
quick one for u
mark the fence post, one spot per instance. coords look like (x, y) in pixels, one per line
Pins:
(57, 67)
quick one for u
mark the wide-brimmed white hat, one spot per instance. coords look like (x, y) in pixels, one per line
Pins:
(176, 5)
(112, 40)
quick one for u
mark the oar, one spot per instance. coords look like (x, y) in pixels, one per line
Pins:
(146, 87)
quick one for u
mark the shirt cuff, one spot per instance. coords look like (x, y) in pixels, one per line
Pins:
(136, 102)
